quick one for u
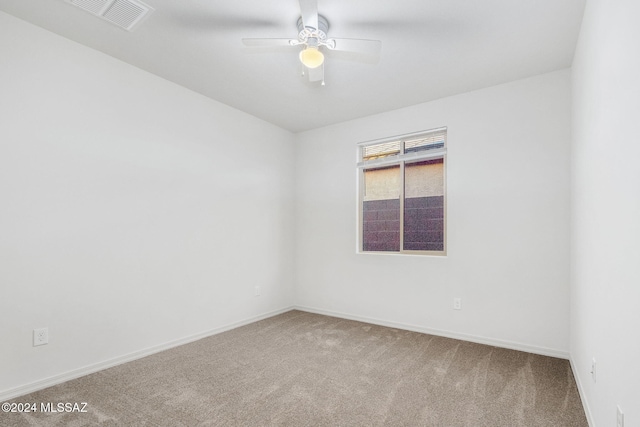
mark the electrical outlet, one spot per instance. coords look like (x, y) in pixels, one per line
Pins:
(40, 336)
(619, 417)
(257, 291)
(593, 369)
(457, 303)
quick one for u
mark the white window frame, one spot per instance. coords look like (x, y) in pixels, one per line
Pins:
(401, 159)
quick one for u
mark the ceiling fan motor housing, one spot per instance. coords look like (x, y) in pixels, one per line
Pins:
(320, 33)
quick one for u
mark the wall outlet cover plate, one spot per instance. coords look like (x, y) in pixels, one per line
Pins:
(40, 336)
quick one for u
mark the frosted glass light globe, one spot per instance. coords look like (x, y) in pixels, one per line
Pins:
(311, 57)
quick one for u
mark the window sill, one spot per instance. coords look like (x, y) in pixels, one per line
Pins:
(411, 254)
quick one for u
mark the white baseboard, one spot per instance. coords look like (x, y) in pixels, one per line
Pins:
(581, 392)
(448, 334)
(6, 395)
(76, 373)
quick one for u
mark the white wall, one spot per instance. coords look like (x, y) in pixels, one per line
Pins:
(134, 212)
(508, 213)
(605, 238)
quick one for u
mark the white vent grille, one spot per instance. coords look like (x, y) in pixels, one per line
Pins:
(93, 6)
(123, 13)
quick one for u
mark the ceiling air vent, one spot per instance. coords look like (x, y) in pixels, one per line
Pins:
(123, 13)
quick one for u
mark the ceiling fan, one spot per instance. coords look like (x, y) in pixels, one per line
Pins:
(312, 36)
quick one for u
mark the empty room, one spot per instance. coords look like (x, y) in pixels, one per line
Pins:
(320, 213)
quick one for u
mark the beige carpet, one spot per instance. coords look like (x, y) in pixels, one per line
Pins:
(302, 369)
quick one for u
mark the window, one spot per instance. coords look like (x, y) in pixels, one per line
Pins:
(402, 194)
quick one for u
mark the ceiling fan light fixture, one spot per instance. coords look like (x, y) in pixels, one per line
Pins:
(311, 57)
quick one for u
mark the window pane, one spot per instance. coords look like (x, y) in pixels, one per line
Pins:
(378, 151)
(424, 206)
(381, 209)
(432, 141)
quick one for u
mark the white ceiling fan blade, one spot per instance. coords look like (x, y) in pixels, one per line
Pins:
(368, 47)
(316, 74)
(309, 13)
(269, 42)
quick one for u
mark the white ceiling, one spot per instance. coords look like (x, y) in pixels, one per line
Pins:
(430, 49)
